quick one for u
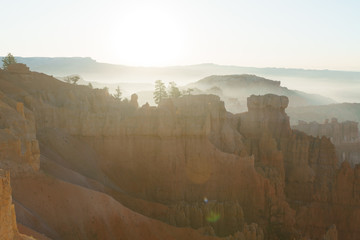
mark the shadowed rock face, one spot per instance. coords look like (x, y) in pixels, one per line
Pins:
(344, 135)
(188, 163)
(344, 132)
(8, 227)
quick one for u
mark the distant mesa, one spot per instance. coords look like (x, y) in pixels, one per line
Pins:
(234, 90)
(242, 80)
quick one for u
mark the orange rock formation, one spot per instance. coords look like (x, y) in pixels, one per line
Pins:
(344, 135)
(8, 226)
(113, 170)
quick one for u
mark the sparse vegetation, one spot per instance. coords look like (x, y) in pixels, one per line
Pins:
(160, 91)
(188, 91)
(72, 79)
(9, 59)
(174, 91)
(118, 94)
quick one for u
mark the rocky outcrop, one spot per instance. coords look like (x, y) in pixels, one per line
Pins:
(339, 133)
(19, 149)
(345, 136)
(303, 169)
(8, 227)
(18, 68)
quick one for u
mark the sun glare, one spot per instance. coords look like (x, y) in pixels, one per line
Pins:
(147, 36)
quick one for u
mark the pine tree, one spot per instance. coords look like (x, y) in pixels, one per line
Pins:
(9, 59)
(118, 93)
(160, 91)
(174, 91)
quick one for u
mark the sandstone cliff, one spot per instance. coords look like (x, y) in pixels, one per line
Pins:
(187, 162)
(345, 136)
(19, 149)
(8, 227)
(344, 132)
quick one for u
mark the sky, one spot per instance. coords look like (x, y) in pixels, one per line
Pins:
(279, 33)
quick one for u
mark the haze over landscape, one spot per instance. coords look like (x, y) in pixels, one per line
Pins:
(233, 120)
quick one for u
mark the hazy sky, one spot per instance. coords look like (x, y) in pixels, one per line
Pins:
(316, 34)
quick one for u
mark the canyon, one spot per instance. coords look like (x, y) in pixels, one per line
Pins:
(84, 165)
(344, 135)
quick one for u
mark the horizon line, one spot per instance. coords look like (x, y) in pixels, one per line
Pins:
(194, 64)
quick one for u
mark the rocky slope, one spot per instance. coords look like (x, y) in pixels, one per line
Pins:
(111, 169)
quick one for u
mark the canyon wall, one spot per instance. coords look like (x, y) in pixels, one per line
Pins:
(8, 226)
(345, 136)
(338, 132)
(19, 148)
(187, 162)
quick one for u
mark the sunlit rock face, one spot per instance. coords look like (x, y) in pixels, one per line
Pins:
(187, 162)
(19, 149)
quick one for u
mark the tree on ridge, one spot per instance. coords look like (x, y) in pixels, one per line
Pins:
(174, 91)
(160, 91)
(9, 59)
(118, 93)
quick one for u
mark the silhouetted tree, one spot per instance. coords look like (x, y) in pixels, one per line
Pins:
(174, 91)
(118, 93)
(189, 90)
(160, 91)
(9, 59)
(72, 79)
(75, 79)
